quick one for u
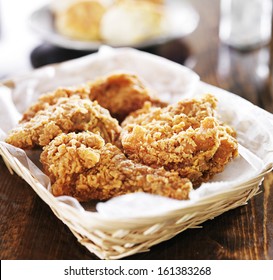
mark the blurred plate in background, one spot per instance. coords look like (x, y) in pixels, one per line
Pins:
(181, 16)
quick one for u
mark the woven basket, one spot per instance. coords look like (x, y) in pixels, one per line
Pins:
(117, 237)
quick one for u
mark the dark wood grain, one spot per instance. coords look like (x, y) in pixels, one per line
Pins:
(29, 229)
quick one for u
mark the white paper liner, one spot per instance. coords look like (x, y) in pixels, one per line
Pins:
(171, 82)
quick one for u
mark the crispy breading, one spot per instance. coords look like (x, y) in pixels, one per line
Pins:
(186, 137)
(87, 169)
(193, 109)
(51, 98)
(67, 115)
(120, 93)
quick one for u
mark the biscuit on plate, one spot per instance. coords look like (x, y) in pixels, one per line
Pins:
(80, 19)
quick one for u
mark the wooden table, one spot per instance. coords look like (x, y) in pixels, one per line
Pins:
(29, 230)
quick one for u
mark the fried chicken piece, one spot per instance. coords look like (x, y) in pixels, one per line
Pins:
(194, 109)
(67, 115)
(82, 166)
(51, 98)
(186, 137)
(120, 93)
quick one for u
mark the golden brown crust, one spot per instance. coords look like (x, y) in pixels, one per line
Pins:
(51, 98)
(108, 172)
(68, 114)
(120, 93)
(185, 137)
(158, 149)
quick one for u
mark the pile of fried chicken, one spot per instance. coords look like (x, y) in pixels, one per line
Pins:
(112, 136)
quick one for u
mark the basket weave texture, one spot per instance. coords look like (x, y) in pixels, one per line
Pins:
(115, 239)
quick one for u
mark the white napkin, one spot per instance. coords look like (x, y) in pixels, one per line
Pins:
(9, 115)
